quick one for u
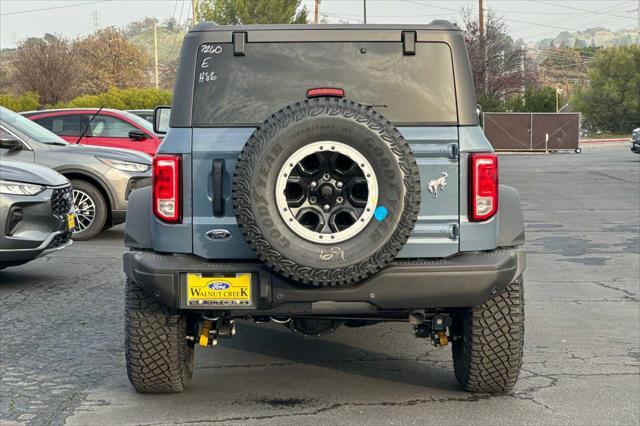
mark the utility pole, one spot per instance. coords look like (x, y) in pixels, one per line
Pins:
(155, 52)
(316, 10)
(96, 21)
(638, 10)
(365, 11)
(522, 79)
(483, 53)
(194, 6)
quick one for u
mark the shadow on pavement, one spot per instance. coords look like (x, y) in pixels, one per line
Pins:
(293, 349)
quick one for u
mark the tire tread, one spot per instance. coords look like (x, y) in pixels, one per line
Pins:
(488, 356)
(255, 146)
(158, 356)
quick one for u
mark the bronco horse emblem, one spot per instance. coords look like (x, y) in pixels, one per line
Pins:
(437, 184)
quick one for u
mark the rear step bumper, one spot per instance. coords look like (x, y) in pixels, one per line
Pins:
(468, 279)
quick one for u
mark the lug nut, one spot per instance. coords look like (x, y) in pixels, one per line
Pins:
(313, 184)
(339, 199)
(326, 207)
(326, 176)
(339, 185)
(313, 200)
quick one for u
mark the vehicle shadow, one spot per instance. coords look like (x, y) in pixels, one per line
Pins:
(23, 276)
(429, 369)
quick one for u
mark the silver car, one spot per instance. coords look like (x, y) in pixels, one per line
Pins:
(36, 212)
(102, 178)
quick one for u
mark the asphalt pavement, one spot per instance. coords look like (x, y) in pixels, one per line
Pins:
(62, 351)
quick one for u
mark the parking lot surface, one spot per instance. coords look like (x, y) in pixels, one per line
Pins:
(62, 354)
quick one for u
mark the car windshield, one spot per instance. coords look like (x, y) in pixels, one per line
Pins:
(141, 122)
(29, 128)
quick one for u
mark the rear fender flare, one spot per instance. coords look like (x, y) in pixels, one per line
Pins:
(510, 218)
(137, 230)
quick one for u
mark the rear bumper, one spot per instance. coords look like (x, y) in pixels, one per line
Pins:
(465, 280)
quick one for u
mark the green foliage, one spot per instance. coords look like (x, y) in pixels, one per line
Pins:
(534, 100)
(243, 12)
(490, 103)
(25, 102)
(121, 99)
(611, 102)
(169, 44)
(564, 59)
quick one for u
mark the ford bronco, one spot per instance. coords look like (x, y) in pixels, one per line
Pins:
(319, 176)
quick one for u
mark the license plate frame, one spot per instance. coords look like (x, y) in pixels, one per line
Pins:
(219, 290)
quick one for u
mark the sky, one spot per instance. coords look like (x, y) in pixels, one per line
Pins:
(530, 20)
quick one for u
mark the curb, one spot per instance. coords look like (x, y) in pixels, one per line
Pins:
(604, 140)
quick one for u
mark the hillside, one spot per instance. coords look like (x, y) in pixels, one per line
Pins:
(598, 36)
(169, 43)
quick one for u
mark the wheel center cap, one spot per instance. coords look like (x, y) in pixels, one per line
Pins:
(326, 191)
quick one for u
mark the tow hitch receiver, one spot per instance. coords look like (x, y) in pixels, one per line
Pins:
(214, 329)
(436, 327)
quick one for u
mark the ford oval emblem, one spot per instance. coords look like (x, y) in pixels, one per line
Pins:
(218, 234)
(218, 285)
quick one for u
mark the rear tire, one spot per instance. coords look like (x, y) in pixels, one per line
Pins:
(158, 356)
(95, 202)
(488, 356)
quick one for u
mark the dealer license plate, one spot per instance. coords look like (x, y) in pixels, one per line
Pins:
(226, 290)
(71, 221)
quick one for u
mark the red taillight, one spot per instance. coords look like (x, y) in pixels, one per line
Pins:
(166, 188)
(331, 92)
(483, 194)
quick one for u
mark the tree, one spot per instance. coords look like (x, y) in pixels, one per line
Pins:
(611, 101)
(243, 12)
(504, 69)
(108, 60)
(47, 66)
(121, 99)
(564, 61)
(139, 26)
(534, 100)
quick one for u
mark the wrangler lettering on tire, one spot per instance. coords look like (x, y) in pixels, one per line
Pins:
(332, 163)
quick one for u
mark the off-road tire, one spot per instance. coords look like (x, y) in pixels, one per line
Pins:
(158, 356)
(488, 355)
(101, 210)
(304, 123)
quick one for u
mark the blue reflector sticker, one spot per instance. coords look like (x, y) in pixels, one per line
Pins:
(380, 213)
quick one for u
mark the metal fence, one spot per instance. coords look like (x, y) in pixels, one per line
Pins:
(525, 131)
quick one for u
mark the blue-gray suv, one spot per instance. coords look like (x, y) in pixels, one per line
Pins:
(324, 176)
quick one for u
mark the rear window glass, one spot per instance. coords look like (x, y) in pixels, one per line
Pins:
(237, 90)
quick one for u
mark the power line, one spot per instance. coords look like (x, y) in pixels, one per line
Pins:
(175, 38)
(19, 12)
(564, 6)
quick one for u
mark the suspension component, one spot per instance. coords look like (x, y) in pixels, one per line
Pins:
(205, 338)
(214, 329)
(435, 328)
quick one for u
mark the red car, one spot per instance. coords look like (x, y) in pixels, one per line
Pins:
(110, 127)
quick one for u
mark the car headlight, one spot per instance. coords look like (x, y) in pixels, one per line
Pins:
(125, 166)
(19, 188)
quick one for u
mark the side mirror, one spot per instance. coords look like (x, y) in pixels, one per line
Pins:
(161, 116)
(137, 135)
(480, 115)
(11, 144)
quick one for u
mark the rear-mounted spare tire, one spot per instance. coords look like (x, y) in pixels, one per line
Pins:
(326, 191)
